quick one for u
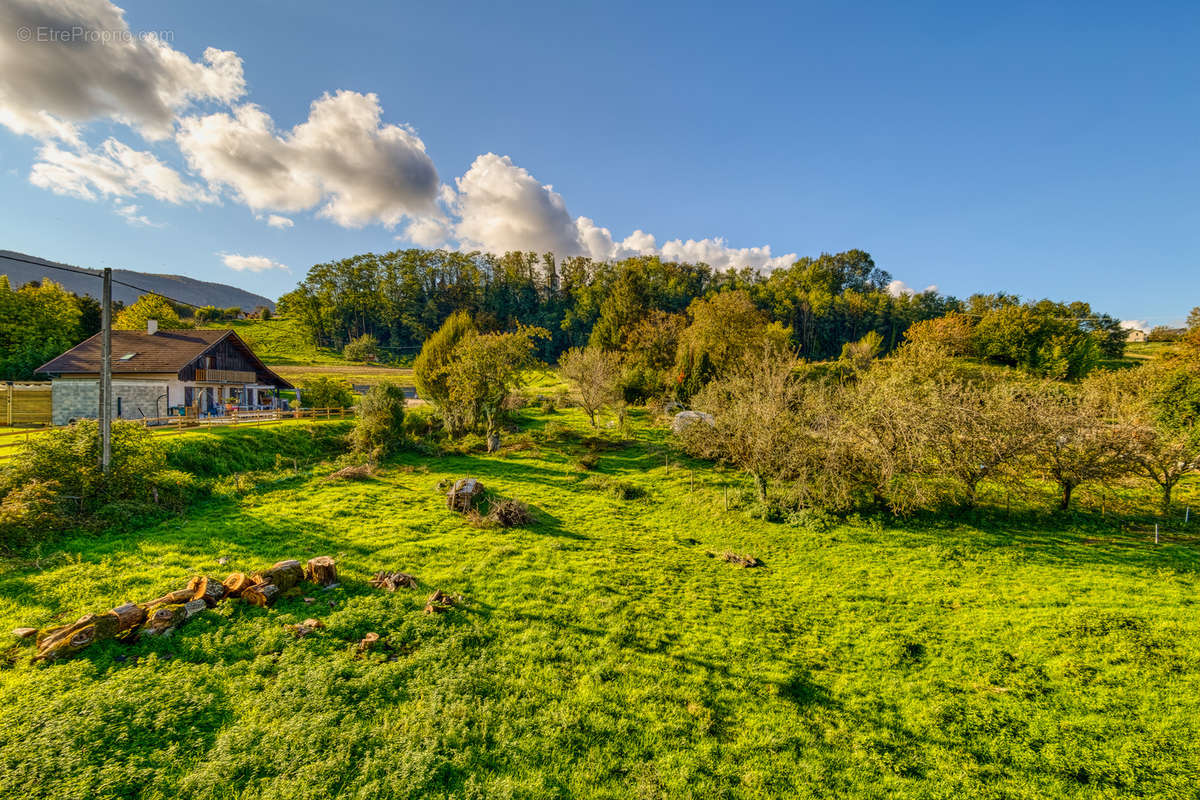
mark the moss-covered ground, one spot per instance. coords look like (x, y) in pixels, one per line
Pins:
(607, 651)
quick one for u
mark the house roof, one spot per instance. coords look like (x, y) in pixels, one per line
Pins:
(163, 351)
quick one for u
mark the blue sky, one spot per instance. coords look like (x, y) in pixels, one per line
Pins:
(1046, 151)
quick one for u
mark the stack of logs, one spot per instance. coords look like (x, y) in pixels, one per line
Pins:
(163, 614)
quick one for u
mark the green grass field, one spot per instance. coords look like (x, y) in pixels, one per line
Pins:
(606, 652)
(280, 340)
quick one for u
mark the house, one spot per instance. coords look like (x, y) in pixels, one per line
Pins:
(158, 373)
(1135, 335)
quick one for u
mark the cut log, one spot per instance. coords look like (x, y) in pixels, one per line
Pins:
(66, 641)
(393, 581)
(284, 574)
(322, 570)
(170, 599)
(130, 616)
(193, 607)
(164, 619)
(24, 633)
(236, 583)
(210, 590)
(261, 594)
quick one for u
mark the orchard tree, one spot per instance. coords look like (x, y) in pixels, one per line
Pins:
(1161, 404)
(594, 376)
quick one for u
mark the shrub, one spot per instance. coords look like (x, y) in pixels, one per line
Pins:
(379, 429)
(323, 392)
(362, 348)
(431, 367)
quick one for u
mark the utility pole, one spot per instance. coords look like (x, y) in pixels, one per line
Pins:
(106, 372)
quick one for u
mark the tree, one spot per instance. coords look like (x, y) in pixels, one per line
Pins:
(431, 368)
(379, 429)
(362, 348)
(486, 368)
(37, 322)
(148, 307)
(951, 332)
(1077, 440)
(594, 375)
(760, 409)
(1160, 403)
(325, 392)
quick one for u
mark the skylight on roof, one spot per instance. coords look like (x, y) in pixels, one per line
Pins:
(128, 356)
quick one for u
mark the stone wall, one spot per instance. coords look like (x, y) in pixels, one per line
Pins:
(80, 399)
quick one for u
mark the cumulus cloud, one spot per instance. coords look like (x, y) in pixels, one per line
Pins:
(342, 157)
(1135, 325)
(502, 207)
(113, 170)
(67, 62)
(277, 221)
(250, 263)
(902, 289)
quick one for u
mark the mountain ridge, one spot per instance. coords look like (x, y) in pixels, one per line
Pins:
(176, 287)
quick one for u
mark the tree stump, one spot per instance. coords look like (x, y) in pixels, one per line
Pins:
(284, 574)
(130, 616)
(261, 594)
(322, 570)
(210, 590)
(393, 581)
(368, 641)
(463, 494)
(438, 602)
(236, 583)
(66, 641)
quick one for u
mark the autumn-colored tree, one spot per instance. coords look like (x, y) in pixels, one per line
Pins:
(148, 307)
(951, 332)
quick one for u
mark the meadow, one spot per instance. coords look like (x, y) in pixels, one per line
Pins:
(608, 650)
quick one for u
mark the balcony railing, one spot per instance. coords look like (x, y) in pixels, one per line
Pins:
(226, 376)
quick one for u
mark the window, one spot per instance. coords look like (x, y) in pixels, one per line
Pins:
(128, 356)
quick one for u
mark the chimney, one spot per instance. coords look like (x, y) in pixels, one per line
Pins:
(151, 326)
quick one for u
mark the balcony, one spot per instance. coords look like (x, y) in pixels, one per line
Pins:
(226, 376)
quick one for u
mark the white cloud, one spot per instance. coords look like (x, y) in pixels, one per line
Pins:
(250, 263)
(503, 207)
(80, 62)
(130, 212)
(115, 169)
(1135, 325)
(341, 156)
(900, 289)
(276, 221)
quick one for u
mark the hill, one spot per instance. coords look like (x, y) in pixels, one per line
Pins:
(177, 287)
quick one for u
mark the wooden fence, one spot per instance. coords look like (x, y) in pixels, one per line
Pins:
(11, 441)
(26, 404)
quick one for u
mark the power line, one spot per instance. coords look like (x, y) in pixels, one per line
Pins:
(91, 274)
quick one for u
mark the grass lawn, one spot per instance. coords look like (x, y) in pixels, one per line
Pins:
(280, 340)
(604, 652)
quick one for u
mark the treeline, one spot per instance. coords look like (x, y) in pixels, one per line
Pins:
(400, 298)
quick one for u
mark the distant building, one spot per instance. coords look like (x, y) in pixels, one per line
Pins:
(1135, 335)
(158, 373)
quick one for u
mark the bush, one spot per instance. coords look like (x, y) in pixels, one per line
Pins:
(56, 482)
(362, 348)
(323, 392)
(379, 429)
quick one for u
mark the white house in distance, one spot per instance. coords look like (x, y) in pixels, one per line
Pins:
(1136, 335)
(158, 373)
